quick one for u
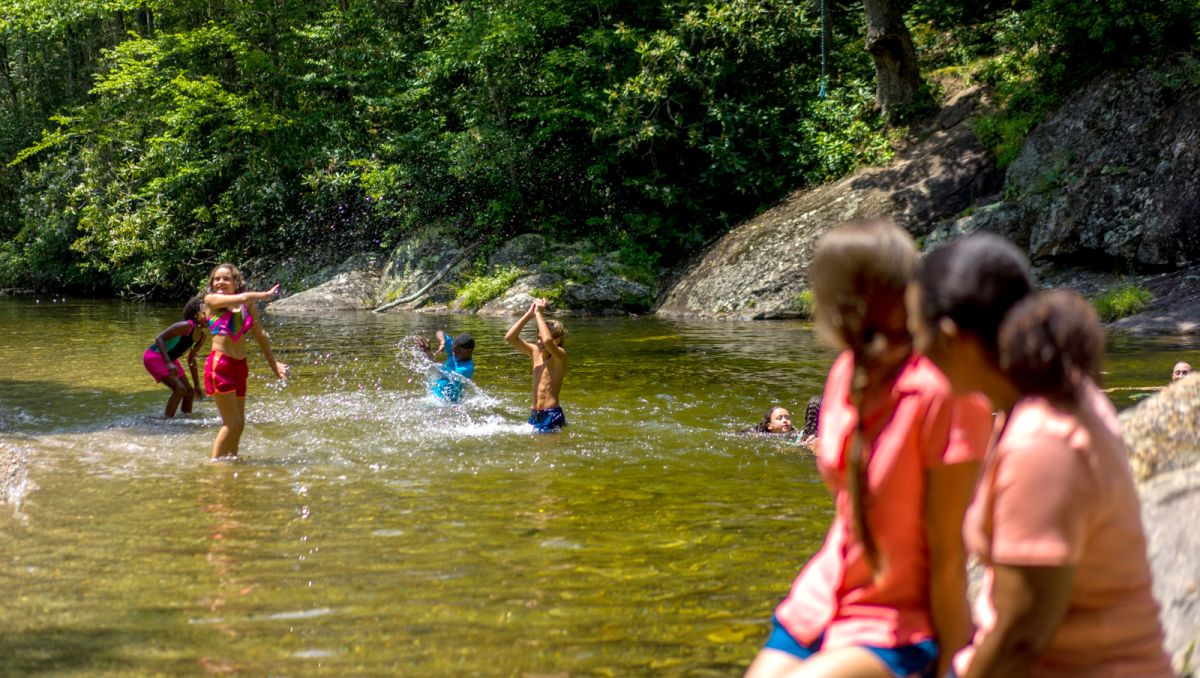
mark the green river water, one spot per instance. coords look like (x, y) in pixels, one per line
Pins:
(368, 531)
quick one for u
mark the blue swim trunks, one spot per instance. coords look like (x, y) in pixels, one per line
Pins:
(548, 420)
(907, 660)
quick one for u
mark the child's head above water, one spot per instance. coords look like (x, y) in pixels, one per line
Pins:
(464, 347)
(777, 419)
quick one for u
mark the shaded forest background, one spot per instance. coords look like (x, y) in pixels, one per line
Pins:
(145, 141)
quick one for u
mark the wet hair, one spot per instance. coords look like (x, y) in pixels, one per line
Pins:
(1050, 342)
(974, 281)
(239, 281)
(194, 308)
(557, 330)
(812, 415)
(465, 340)
(764, 426)
(860, 270)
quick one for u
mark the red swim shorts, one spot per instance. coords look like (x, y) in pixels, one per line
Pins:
(157, 367)
(223, 374)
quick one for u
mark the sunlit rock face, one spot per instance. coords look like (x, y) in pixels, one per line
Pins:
(354, 290)
(759, 269)
(1112, 176)
(1162, 434)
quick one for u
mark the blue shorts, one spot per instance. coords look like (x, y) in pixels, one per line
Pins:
(919, 659)
(547, 420)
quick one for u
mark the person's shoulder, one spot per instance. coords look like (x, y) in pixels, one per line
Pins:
(922, 375)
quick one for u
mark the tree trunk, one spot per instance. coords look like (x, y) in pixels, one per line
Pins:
(897, 80)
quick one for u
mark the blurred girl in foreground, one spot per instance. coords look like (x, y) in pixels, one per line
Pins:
(900, 457)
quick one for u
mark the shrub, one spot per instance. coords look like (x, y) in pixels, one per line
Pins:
(803, 303)
(1121, 302)
(481, 289)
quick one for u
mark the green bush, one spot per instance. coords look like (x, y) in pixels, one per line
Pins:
(803, 303)
(481, 289)
(1121, 302)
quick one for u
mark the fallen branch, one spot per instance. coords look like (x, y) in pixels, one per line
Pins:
(417, 295)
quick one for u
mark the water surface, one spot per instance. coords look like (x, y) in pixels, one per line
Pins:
(367, 530)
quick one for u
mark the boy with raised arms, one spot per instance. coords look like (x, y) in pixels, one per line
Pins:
(549, 366)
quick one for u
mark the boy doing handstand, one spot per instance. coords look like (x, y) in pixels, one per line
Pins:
(549, 366)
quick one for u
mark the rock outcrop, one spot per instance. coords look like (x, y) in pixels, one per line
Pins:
(1170, 509)
(1112, 177)
(1162, 434)
(759, 269)
(429, 273)
(352, 291)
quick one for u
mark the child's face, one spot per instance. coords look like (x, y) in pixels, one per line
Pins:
(781, 421)
(222, 281)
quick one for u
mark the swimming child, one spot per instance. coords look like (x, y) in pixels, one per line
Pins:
(549, 366)
(776, 420)
(459, 365)
(162, 358)
(232, 313)
(888, 587)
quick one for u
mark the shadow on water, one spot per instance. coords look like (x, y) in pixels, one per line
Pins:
(55, 650)
(47, 406)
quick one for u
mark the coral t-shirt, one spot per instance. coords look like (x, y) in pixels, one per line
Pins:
(1057, 490)
(918, 427)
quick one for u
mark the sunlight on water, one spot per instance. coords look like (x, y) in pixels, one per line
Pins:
(371, 529)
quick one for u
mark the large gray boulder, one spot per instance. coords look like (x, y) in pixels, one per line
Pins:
(1162, 434)
(1170, 510)
(759, 269)
(1113, 175)
(352, 291)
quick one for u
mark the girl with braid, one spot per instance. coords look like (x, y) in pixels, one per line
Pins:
(899, 454)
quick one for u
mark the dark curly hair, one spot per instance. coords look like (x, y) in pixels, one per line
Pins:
(1049, 342)
(194, 308)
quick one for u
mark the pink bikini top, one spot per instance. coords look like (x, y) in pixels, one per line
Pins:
(233, 323)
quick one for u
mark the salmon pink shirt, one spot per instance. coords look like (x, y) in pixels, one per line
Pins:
(1056, 491)
(919, 426)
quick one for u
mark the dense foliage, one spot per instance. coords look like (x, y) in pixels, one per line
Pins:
(148, 139)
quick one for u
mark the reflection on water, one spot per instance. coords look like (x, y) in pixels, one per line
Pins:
(369, 529)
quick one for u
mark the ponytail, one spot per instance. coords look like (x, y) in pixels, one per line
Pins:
(859, 273)
(859, 457)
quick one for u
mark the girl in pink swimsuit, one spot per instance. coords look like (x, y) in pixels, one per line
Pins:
(899, 455)
(1055, 518)
(161, 360)
(232, 314)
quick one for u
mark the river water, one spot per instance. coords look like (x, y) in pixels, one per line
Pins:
(369, 531)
